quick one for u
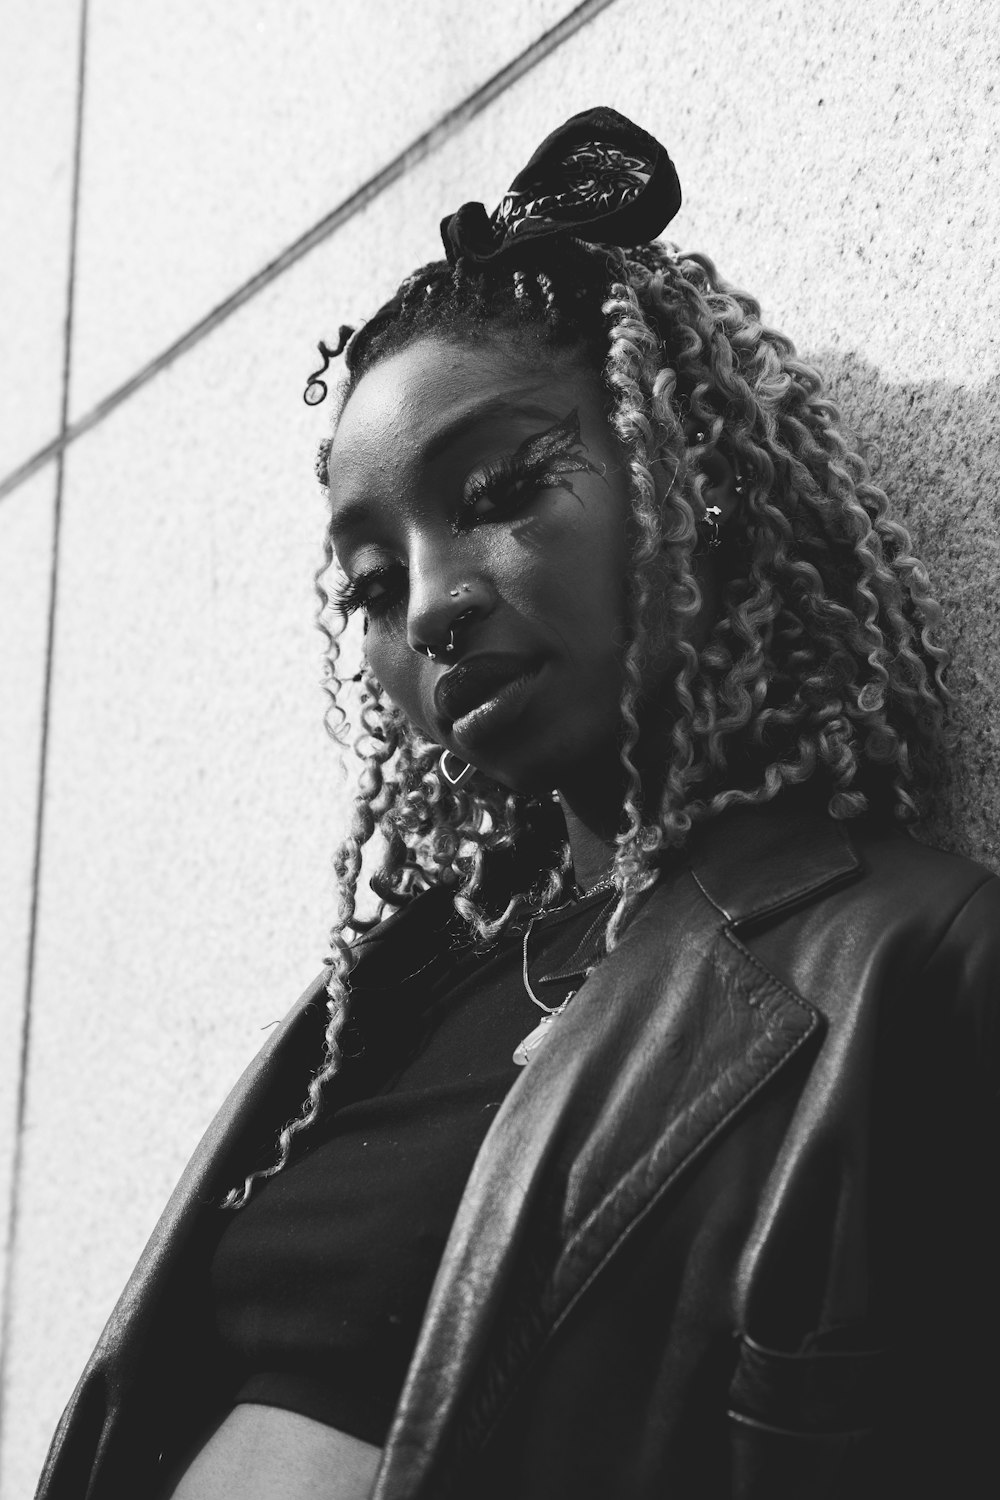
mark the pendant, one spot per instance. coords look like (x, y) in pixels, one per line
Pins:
(534, 1039)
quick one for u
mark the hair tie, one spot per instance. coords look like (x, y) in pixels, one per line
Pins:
(597, 178)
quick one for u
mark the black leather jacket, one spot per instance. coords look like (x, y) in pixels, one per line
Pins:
(732, 1234)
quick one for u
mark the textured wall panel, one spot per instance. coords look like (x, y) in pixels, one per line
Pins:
(25, 570)
(215, 134)
(38, 78)
(191, 797)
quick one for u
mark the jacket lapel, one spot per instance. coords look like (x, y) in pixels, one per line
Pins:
(663, 1046)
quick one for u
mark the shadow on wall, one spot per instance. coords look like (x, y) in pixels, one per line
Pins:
(940, 467)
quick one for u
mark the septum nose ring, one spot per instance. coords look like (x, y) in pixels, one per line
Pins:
(441, 653)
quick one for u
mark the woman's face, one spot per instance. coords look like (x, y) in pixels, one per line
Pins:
(483, 494)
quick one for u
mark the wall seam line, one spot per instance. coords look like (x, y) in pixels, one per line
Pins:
(425, 144)
(14, 1200)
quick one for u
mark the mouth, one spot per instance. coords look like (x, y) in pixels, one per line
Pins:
(478, 690)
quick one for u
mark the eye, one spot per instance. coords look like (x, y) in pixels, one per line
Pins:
(375, 591)
(545, 461)
(499, 489)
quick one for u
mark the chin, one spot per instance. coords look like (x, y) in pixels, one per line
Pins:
(541, 773)
(526, 783)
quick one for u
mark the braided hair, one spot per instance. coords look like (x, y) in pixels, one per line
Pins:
(822, 663)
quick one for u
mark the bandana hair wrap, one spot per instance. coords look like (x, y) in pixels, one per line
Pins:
(597, 178)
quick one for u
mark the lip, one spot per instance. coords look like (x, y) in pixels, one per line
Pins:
(481, 695)
(486, 718)
(475, 682)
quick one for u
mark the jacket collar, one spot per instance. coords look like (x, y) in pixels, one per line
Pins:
(752, 863)
(759, 862)
(568, 953)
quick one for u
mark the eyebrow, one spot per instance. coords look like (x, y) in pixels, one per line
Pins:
(497, 407)
(346, 517)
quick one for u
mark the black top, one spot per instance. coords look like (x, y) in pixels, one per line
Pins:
(320, 1284)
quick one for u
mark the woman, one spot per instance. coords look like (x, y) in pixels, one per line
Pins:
(645, 1146)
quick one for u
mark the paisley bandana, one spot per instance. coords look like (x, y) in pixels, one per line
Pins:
(597, 178)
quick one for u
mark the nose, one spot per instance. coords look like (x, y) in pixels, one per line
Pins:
(442, 599)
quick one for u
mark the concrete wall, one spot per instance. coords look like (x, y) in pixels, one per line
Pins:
(170, 800)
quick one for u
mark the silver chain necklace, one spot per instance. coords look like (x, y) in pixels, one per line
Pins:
(524, 1049)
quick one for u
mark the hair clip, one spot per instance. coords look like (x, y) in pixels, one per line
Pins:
(316, 388)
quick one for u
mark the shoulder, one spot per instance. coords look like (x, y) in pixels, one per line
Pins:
(856, 916)
(760, 864)
(949, 909)
(946, 905)
(892, 856)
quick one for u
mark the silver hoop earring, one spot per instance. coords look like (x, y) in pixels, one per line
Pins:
(709, 525)
(460, 776)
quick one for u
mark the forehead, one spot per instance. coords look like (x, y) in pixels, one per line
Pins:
(436, 398)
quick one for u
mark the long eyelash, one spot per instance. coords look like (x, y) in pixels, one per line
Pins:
(499, 477)
(352, 595)
(543, 461)
(510, 481)
(348, 597)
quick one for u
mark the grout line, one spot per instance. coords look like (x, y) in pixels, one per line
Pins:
(14, 1201)
(449, 124)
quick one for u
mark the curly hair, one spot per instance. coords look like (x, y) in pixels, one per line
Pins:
(821, 665)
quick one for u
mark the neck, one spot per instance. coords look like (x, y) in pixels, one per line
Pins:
(591, 806)
(592, 853)
(592, 800)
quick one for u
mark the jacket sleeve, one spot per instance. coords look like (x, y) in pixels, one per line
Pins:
(965, 967)
(946, 1241)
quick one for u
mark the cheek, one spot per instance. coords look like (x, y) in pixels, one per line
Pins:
(594, 563)
(396, 668)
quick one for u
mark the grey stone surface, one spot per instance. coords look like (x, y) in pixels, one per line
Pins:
(940, 461)
(216, 134)
(38, 86)
(25, 569)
